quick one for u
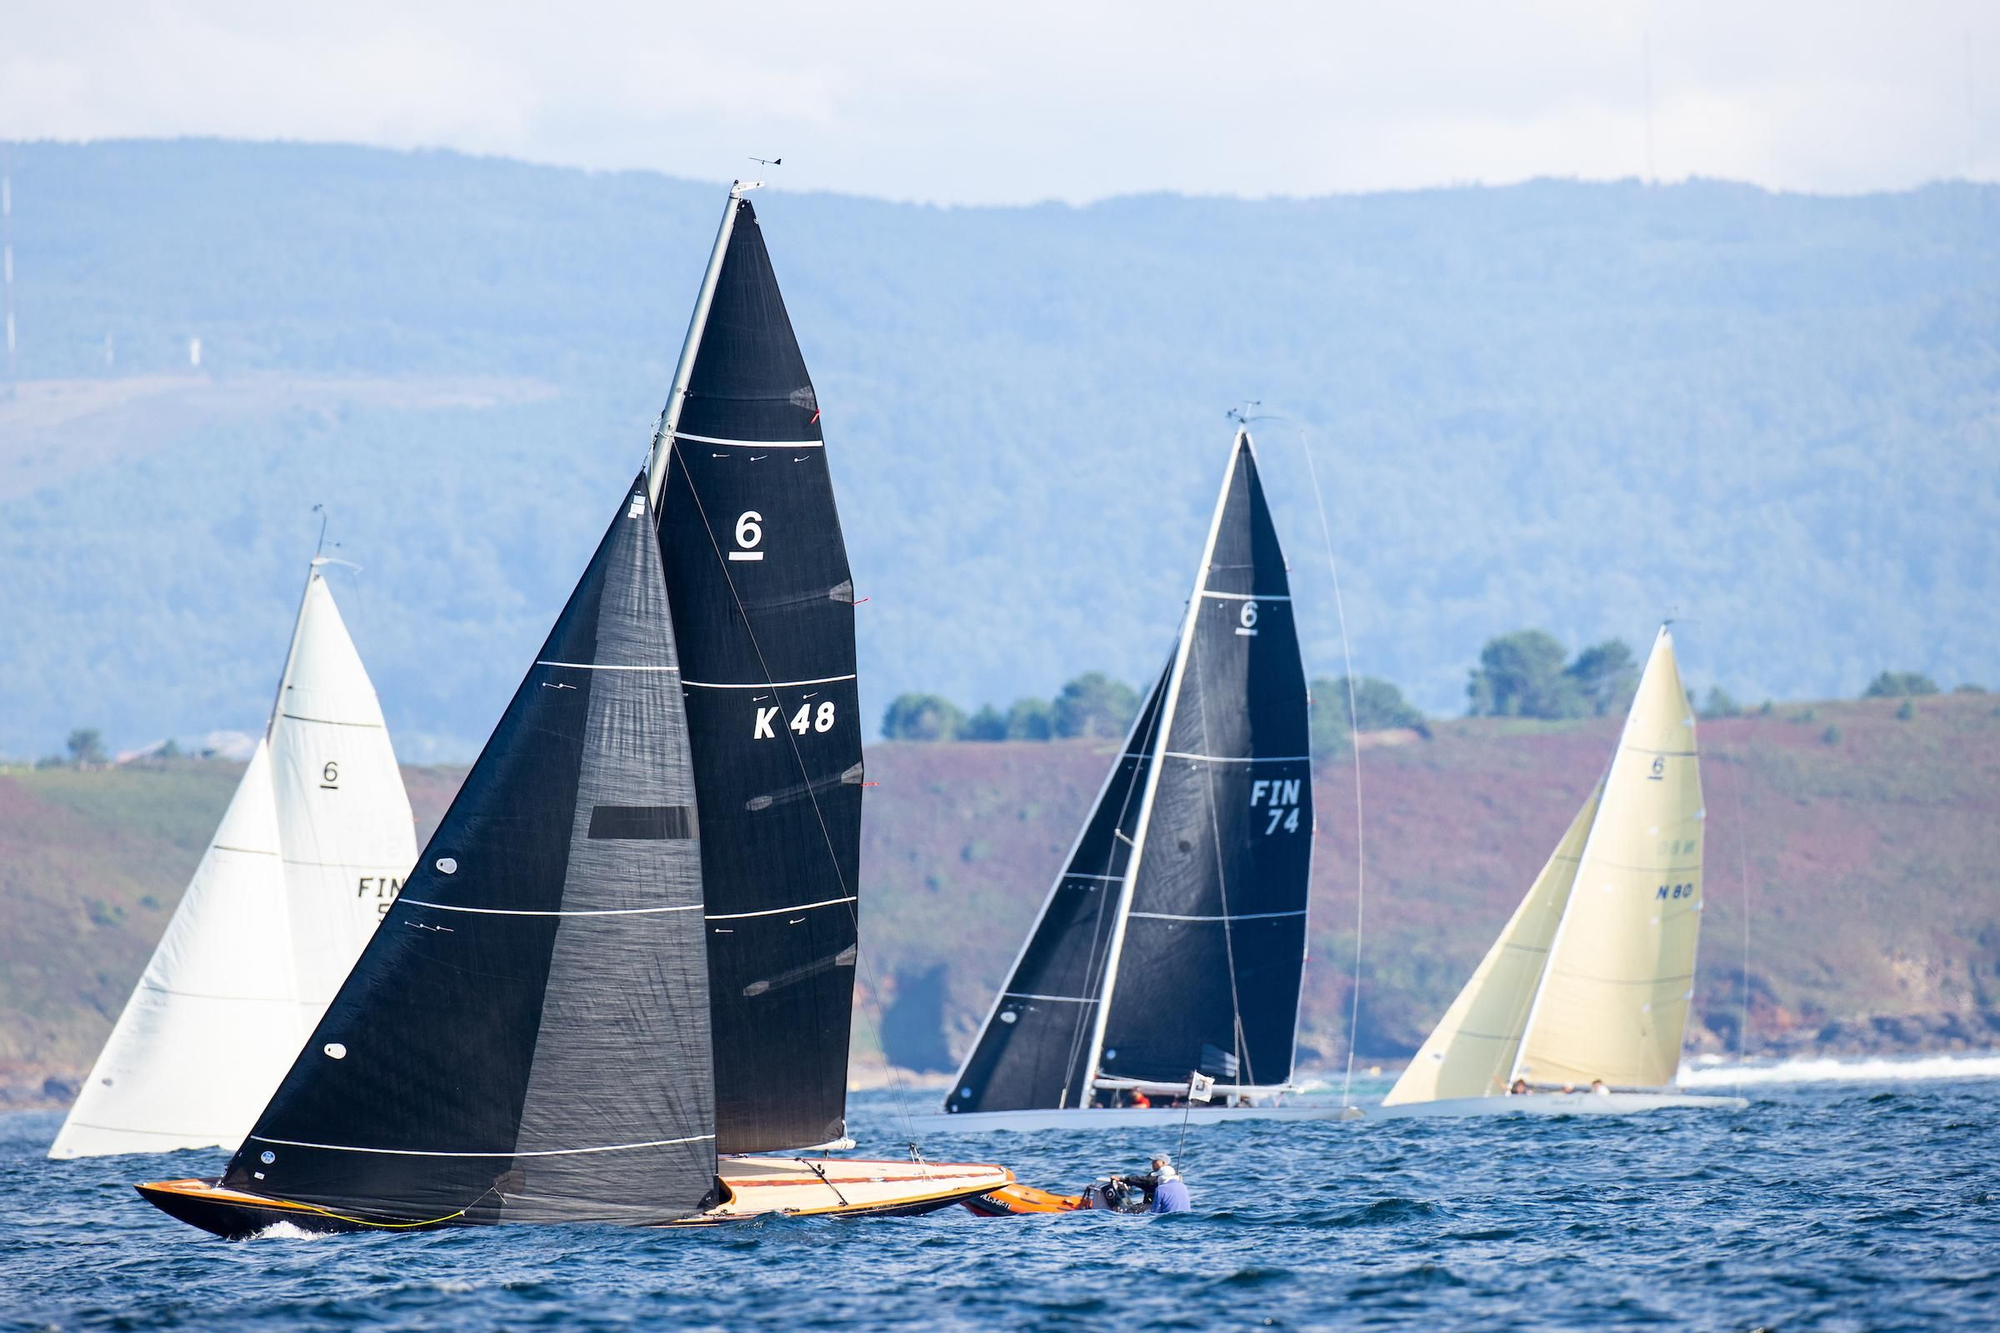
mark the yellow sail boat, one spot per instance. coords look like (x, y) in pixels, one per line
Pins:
(1580, 1006)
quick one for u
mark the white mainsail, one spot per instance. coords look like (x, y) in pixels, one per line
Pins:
(1592, 977)
(1614, 1002)
(315, 843)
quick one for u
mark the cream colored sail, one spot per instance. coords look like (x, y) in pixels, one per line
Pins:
(1614, 1002)
(1472, 1050)
(212, 1025)
(315, 844)
(343, 817)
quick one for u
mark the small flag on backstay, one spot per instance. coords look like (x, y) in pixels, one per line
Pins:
(1200, 1087)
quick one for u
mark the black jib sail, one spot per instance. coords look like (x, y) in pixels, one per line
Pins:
(526, 1037)
(764, 609)
(1201, 968)
(1035, 1048)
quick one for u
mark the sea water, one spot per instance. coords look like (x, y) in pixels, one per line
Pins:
(1826, 1205)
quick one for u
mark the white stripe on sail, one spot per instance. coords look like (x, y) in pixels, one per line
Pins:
(766, 684)
(1064, 999)
(603, 666)
(575, 911)
(1244, 596)
(780, 911)
(1238, 916)
(539, 1152)
(751, 444)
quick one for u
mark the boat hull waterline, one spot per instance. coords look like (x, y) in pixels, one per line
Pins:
(758, 1187)
(1556, 1103)
(1119, 1117)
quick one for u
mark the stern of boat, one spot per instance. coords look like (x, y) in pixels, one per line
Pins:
(847, 1187)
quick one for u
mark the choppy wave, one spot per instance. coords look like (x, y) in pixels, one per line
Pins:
(1843, 1069)
(1826, 1208)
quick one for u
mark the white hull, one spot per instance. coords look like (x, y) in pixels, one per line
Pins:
(1119, 1117)
(1555, 1103)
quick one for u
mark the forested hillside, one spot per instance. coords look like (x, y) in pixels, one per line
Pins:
(1861, 839)
(1557, 404)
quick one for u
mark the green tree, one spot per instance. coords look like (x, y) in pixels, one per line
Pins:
(86, 747)
(1378, 704)
(1720, 704)
(1522, 675)
(1607, 676)
(988, 724)
(1899, 685)
(1327, 722)
(1095, 705)
(921, 717)
(1031, 720)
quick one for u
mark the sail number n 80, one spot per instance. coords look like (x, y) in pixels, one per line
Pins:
(1280, 799)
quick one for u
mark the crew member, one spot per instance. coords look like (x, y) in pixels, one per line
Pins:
(1165, 1191)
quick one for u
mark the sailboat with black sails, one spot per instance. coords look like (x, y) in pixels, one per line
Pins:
(618, 985)
(1168, 956)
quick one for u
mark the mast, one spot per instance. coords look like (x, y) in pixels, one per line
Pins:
(1161, 733)
(670, 415)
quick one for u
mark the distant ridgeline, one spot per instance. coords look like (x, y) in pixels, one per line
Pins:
(1579, 406)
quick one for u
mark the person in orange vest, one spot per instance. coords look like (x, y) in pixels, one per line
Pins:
(1139, 1098)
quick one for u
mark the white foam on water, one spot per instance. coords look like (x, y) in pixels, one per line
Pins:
(1849, 1069)
(286, 1231)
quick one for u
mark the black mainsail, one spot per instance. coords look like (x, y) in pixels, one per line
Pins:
(526, 1037)
(630, 948)
(1186, 952)
(763, 606)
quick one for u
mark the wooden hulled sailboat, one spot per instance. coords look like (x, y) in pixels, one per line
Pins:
(619, 984)
(1173, 942)
(313, 847)
(1591, 979)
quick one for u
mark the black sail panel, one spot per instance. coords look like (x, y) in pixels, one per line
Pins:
(1215, 939)
(763, 605)
(525, 1038)
(1034, 1051)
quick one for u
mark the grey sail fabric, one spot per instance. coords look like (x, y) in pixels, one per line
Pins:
(1214, 945)
(526, 1037)
(763, 606)
(1035, 1048)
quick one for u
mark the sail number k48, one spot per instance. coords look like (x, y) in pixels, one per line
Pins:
(808, 718)
(1280, 800)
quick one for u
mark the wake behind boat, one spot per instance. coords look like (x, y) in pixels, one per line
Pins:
(1580, 1006)
(618, 986)
(1170, 951)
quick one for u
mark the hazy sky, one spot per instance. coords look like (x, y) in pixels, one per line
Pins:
(1027, 100)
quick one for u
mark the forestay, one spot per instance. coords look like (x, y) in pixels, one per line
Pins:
(315, 844)
(763, 605)
(526, 1037)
